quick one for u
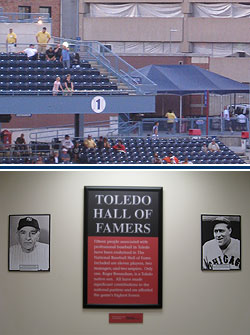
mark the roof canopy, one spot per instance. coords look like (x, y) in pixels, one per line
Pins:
(190, 79)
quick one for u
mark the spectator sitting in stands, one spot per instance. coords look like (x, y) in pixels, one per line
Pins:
(50, 54)
(65, 157)
(186, 161)
(56, 86)
(100, 143)
(69, 86)
(31, 52)
(156, 159)
(68, 144)
(76, 152)
(39, 160)
(204, 148)
(76, 59)
(89, 142)
(58, 52)
(2, 149)
(20, 143)
(106, 143)
(171, 159)
(120, 147)
(213, 146)
(54, 159)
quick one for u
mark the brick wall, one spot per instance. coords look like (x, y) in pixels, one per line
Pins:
(11, 6)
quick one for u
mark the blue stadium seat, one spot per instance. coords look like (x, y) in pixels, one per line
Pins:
(22, 70)
(4, 78)
(4, 56)
(4, 86)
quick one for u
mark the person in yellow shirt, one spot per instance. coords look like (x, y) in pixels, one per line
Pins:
(170, 115)
(11, 41)
(42, 37)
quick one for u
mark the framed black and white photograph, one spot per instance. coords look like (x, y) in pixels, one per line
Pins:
(29, 242)
(220, 242)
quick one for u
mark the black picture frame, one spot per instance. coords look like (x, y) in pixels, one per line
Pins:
(29, 242)
(220, 242)
(126, 285)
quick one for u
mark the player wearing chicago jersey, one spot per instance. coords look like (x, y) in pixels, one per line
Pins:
(223, 252)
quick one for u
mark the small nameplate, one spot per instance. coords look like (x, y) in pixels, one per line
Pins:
(221, 267)
(28, 267)
(125, 317)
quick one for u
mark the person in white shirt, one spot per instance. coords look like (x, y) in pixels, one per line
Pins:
(227, 121)
(213, 146)
(68, 144)
(242, 120)
(31, 52)
(29, 253)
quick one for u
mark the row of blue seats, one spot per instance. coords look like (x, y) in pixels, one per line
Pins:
(38, 63)
(48, 86)
(51, 78)
(46, 70)
(14, 56)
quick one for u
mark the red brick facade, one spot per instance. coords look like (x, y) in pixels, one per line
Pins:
(11, 6)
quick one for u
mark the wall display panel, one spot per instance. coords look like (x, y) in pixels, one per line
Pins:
(29, 242)
(122, 247)
(221, 242)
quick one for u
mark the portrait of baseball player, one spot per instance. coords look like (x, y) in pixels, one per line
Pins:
(221, 245)
(29, 242)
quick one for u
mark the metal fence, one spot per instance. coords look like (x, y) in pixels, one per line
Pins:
(212, 126)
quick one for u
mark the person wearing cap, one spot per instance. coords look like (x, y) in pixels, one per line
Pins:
(43, 38)
(89, 142)
(65, 156)
(68, 145)
(29, 252)
(65, 57)
(31, 52)
(213, 146)
(222, 252)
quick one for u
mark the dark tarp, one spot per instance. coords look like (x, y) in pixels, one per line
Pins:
(190, 79)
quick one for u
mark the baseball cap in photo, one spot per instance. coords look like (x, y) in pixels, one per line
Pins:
(28, 221)
(221, 219)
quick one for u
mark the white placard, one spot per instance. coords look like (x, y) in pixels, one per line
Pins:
(98, 104)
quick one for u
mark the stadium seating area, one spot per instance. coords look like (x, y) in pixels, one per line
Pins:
(138, 151)
(19, 74)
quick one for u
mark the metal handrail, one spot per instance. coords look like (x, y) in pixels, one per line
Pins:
(24, 17)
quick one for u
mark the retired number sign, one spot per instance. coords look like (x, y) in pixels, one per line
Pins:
(122, 247)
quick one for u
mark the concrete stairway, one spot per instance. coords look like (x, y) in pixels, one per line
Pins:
(113, 79)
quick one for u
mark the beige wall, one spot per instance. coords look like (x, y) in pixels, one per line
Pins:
(131, 29)
(194, 302)
(234, 68)
(218, 30)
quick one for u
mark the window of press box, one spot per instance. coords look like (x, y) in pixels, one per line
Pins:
(24, 12)
(45, 10)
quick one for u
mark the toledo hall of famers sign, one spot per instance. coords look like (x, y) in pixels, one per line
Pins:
(122, 247)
